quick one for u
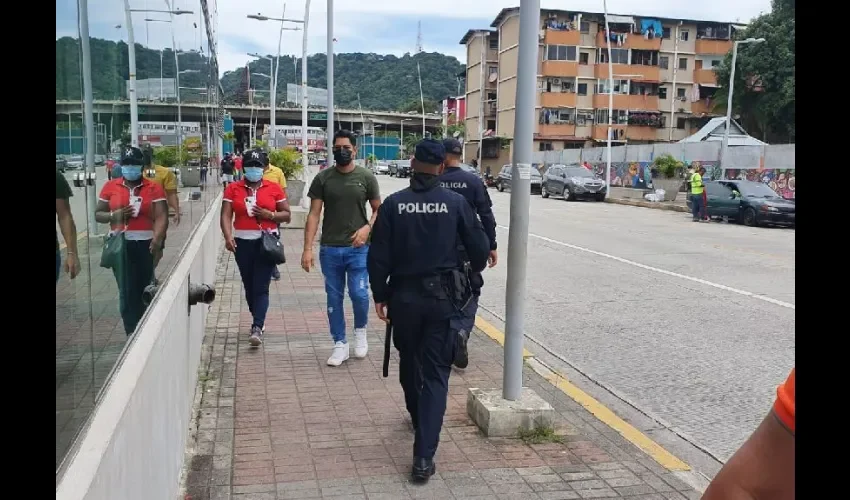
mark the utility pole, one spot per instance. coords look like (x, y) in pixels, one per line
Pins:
(330, 71)
(529, 20)
(305, 158)
(88, 115)
(131, 82)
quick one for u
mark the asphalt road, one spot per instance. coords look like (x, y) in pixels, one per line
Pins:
(685, 329)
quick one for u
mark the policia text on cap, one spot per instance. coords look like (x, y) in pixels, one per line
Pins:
(420, 288)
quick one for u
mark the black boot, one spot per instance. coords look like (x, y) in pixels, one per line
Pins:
(423, 469)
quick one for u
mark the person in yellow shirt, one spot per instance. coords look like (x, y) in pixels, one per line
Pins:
(275, 174)
(166, 178)
(697, 199)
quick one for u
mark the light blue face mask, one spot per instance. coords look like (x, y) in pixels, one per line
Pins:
(131, 172)
(253, 174)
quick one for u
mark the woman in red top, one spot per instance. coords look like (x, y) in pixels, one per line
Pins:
(135, 206)
(251, 206)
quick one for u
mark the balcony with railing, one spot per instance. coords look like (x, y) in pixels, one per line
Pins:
(555, 36)
(705, 77)
(628, 41)
(560, 68)
(626, 101)
(637, 72)
(714, 38)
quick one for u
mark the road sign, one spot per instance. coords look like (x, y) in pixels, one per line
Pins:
(318, 116)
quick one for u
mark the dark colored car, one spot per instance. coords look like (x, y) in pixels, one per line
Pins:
(400, 168)
(472, 170)
(748, 202)
(504, 180)
(572, 182)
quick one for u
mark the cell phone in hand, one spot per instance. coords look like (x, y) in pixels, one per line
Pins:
(136, 204)
(251, 204)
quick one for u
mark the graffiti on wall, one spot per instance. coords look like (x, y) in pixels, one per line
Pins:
(781, 180)
(638, 174)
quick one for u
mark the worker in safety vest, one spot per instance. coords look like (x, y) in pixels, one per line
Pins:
(697, 199)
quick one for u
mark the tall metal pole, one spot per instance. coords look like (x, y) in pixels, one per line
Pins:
(725, 146)
(481, 98)
(330, 72)
(131, 83)
(177, 84)
(529, 20)
(88, 112)
(421, 99)
(305, 157)
(161, 87)
(272, 103)
(610, 103)
(673, 98)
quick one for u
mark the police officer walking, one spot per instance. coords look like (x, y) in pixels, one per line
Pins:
(420, 288)
(473, 189)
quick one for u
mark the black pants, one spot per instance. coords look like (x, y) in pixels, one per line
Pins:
(133, 273)
(256, 273)
(424, 333)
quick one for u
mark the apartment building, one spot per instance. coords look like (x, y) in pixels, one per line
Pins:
(663, 80)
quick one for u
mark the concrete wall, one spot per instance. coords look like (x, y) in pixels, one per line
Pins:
(134, 446)
(774, 165)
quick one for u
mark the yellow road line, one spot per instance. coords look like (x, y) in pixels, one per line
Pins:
(80, 236)
(495, 334)
(600, 411)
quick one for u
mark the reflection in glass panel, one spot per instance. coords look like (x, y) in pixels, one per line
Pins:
(134, 198)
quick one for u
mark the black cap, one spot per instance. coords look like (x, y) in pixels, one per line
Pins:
(452, 146)
(430, 151)
(132, 156)
(254, 158)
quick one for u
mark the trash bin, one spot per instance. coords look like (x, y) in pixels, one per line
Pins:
(190, 175)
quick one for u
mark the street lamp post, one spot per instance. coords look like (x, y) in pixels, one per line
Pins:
(131, 55)
(161, 89)
(305, 158)
(401, 135)
(610, 103)
(724, 149)
(421, 98)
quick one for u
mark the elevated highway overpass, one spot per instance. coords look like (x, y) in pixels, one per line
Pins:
(105, 110)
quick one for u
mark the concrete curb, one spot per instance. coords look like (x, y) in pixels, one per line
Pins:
(649, 204)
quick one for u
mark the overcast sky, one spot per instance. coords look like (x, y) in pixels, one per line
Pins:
(379, 26)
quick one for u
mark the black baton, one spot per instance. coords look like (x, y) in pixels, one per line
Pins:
(388, 336)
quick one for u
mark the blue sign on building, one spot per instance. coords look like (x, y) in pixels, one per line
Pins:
(384, 148)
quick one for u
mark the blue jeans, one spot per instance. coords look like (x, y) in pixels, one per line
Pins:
(256, 273)
(697, 207)
(339, 263)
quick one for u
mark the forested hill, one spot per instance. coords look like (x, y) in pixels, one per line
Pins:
(383, 82)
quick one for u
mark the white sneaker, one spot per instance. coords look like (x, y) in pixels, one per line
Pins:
(361, 343)
(339, 354)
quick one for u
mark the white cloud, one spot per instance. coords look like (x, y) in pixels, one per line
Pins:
(355, 19)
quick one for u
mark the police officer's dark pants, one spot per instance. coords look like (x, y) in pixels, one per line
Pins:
(256, 273)
(133, 273)
(424, 333)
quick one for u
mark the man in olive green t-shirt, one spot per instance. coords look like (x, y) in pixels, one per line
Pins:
(343, 192)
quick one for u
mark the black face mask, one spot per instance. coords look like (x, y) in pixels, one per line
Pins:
(342, 157)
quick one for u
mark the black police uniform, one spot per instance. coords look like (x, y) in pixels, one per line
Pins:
(412, 255)
(471, 187)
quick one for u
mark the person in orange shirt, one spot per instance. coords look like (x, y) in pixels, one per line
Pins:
(763, 467)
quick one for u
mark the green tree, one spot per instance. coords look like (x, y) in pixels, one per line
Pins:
(286, 159)
(764, 93)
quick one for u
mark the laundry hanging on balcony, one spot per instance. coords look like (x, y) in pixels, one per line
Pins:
(651, 28)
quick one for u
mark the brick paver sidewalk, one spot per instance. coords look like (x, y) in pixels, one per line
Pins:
(276, 423)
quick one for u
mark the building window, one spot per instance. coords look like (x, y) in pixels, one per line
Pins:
(583, 58)
(664, 62)
(561, 52)
(714, 63)
(494, 42)
(582, 89)
(584, 117)
(683, 63)
(683, 35)
(662, 92)
(491, 124)
(557, 116)
(620, 86)
(491, 96)
(621, 117)
(618, 56)
(681, 93)
(492, 70)
(545, 146)
(680, 123)
(665, 33)
(584, 26)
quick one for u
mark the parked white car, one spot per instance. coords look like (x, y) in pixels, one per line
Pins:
(382, 167)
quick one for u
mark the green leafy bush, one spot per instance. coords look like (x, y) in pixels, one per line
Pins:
(668, 167)
(287, 160)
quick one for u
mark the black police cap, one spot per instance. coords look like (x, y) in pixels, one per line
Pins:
(430, 151)
(255, 158)
(452, 146)
(132, 156)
